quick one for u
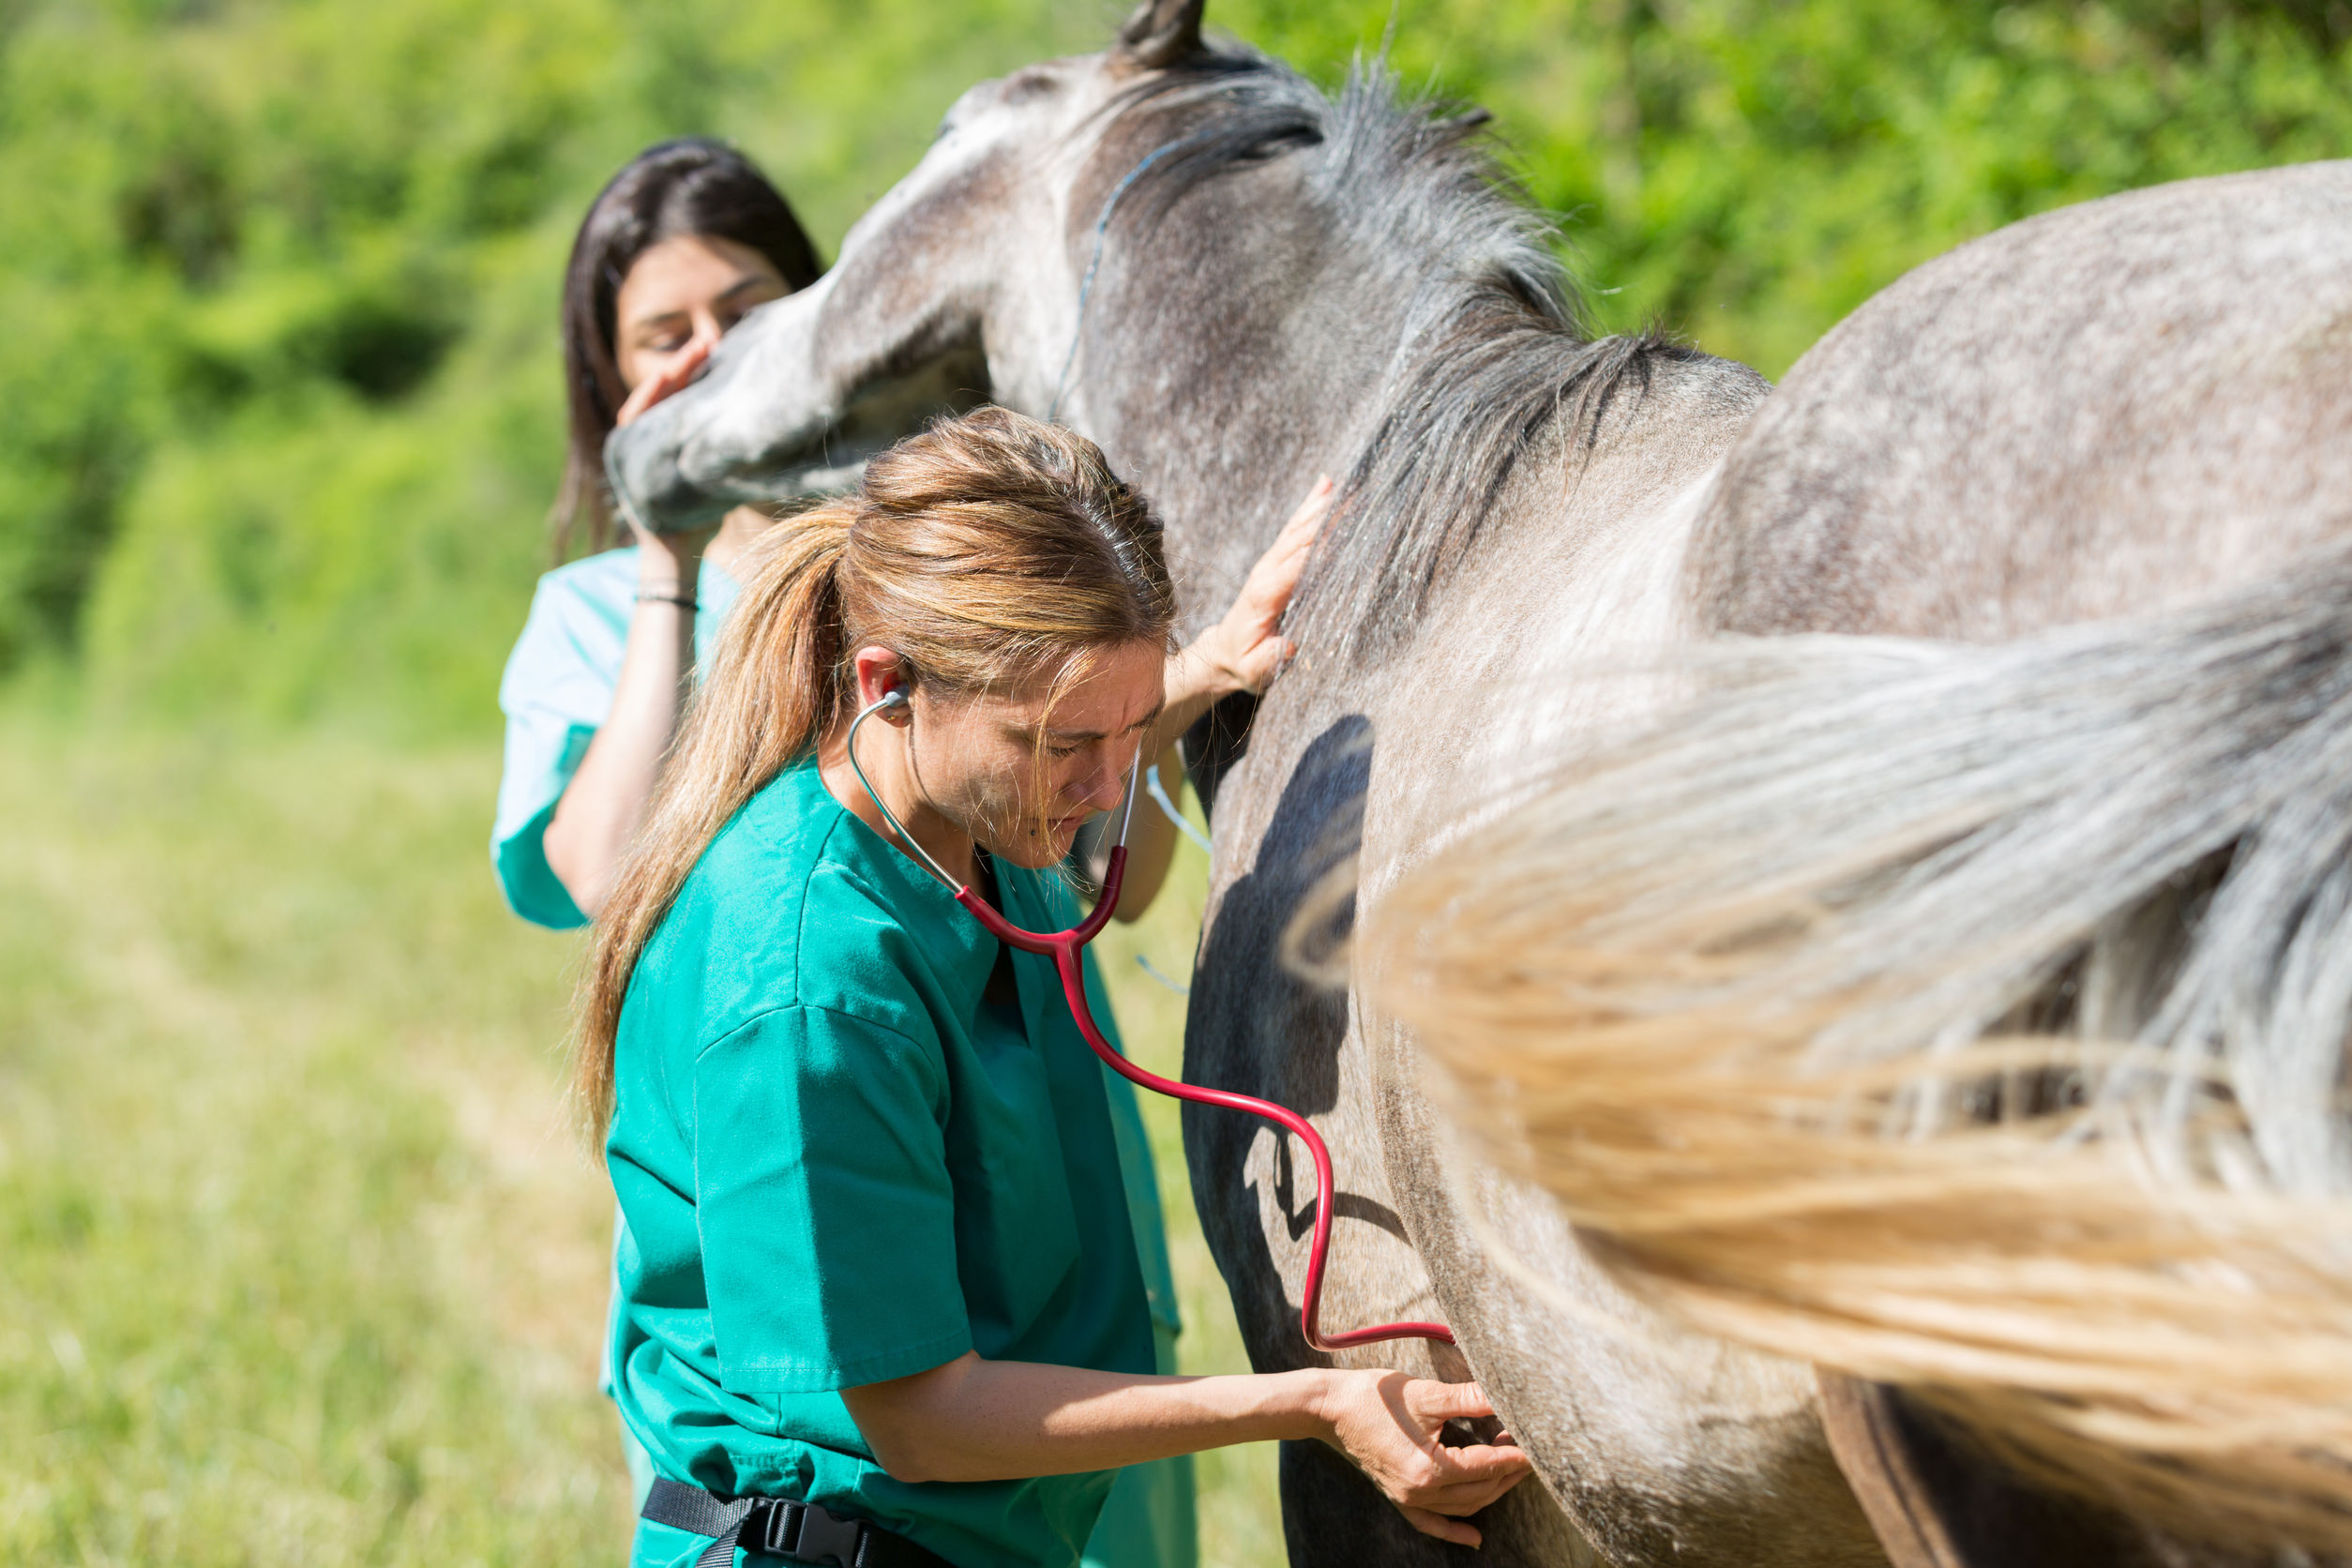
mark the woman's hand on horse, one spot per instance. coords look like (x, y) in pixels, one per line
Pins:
(1245, 650)
(672, 378)
(1247, 647)
(1390, 1426)
(668, 555)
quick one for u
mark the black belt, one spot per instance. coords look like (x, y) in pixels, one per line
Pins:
(795, 1531)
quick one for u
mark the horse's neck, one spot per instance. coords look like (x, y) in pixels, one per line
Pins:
(1240, 356)
(1253, 345)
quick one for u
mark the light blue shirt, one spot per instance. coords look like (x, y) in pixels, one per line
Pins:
(556, 693)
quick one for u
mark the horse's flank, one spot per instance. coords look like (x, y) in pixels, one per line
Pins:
(2059, 898)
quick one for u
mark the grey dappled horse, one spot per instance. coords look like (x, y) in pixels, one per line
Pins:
(1232, 284)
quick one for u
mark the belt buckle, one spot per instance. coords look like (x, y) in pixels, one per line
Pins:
(824, 1537)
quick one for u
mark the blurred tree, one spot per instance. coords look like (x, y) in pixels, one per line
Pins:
(1749, 171)
(282, 395)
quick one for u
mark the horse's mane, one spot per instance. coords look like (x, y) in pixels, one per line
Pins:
(1497, 353)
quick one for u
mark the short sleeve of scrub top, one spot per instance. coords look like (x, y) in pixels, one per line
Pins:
(794, 1262)
(556, 693)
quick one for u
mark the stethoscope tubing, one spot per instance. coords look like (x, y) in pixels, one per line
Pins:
(1064, 948)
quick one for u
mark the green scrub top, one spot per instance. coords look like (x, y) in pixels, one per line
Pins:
(557, 692)
(838, 1164)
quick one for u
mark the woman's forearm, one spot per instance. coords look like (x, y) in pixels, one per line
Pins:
(605, 803)
(1196, 679)
(975, 1420)
(1243, 650)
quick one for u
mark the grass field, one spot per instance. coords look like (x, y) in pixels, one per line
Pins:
(298, 1264)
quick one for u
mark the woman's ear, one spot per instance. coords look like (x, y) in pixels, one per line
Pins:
(881, 672)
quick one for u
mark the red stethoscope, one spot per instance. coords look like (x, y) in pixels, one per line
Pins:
(1064, 948)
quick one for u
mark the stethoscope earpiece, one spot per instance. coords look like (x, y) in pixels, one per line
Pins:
(897, 698)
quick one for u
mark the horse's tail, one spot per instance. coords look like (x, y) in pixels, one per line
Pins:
(1967, 1016)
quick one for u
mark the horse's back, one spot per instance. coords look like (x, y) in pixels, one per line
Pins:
(2102, 410)
(2110, 410)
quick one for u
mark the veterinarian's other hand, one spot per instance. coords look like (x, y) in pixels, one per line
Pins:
(1389, 1425)
(1247, 647)
(672, 378)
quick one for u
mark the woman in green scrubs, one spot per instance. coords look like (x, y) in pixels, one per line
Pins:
(682, 244)
(877, 1284)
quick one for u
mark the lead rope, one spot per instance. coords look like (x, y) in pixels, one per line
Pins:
(1161, 798)
(1167, 803)
(1157, 791)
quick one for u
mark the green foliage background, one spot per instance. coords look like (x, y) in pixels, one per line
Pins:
(279, 393)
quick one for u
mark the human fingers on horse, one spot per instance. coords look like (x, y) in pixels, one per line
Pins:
(1454, 1531)
(1248, 646)
(1306, 519)
(669, 379)
(1464, 1499)
(1272, 582)
(1469, 1477)
(1477, 1463)
(1267, 590)
(1391, 1428)
(1246, 649)
(1456, 1510)
(1485, 1476)
(1467, 1484)
(1441, 1402)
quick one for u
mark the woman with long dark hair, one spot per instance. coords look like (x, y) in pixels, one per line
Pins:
(682, 244)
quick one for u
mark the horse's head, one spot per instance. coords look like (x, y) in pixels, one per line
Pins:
(952, 291)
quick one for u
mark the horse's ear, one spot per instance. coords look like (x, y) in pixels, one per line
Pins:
(1161, 32)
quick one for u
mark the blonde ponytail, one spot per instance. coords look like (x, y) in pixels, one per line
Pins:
(770, 694)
